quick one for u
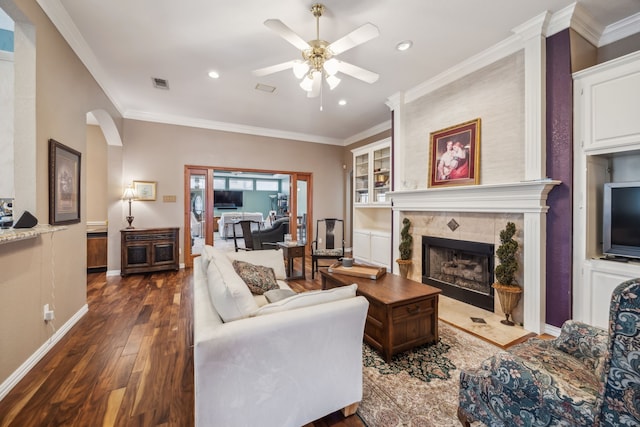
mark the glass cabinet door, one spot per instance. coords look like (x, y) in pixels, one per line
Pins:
(362, 178)
(381, 174)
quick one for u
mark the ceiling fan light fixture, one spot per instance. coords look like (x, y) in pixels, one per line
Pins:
(300, 68)
(307, 83)
(333, 82)
(331, 66)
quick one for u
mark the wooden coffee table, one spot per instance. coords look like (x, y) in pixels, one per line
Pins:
(402, 313)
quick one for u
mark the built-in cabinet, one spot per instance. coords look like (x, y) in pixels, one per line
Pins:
(606, 149)
(372, 173)
(372, 210)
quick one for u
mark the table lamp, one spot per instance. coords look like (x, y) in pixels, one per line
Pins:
(129, 194)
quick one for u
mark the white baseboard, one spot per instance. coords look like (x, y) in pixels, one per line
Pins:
(24, 369)
(117, 272)
(551, 330)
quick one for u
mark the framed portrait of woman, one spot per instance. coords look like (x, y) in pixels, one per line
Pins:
(454, 155)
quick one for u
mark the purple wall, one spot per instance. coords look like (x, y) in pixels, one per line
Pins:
(559, 167)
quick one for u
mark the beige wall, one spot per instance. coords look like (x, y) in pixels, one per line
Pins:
(95, 160)
(159, 152)
(50, 269)
(495, 94)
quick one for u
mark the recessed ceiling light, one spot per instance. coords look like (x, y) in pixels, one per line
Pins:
(342, 102)
(404, 45)
(214, 74)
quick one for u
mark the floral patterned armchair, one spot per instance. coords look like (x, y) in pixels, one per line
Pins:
(585, 377)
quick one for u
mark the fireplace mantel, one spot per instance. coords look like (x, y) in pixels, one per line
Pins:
(528, 198)
(516, 197)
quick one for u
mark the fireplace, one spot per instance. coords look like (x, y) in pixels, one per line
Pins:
(462, 269)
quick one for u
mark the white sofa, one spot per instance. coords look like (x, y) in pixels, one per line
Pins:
(285, 363)
(230, 219)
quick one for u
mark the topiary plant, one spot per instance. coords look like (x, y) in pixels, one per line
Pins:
(506, 271)
(406, 240)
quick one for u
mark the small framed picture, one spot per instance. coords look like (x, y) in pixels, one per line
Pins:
(454, 157)
(64, 184)
(145, 190)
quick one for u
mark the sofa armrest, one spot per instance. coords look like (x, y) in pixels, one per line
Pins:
(584, 342)
(290, 367)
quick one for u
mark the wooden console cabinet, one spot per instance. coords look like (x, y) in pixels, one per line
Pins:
(145, 250)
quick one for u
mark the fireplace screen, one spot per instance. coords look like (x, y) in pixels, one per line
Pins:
(462, 269)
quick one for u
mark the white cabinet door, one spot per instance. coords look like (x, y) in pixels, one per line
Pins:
(601, 278)
(607, 101)
(381, 249)
(362, 245)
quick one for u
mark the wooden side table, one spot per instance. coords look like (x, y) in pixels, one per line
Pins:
(290, 252)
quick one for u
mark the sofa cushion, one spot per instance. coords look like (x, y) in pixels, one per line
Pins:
(275, 295)
(229, 294)
(306, 299)
(258, 278)
(269, 258)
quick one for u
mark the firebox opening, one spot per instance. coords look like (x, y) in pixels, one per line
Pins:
(462, 269)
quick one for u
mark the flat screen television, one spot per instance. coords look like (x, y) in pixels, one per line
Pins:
(621, 219)
(227, 199)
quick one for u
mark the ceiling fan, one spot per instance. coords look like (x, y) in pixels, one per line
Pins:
(319, 57)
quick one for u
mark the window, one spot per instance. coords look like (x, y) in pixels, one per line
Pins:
(219, 183)
(264, 185)
(240, 184)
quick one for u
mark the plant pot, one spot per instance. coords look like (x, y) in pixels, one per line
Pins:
(509, 296)
(404, 265)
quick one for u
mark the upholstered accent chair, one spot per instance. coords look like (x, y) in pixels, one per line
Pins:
(585, 377)
(267, 238)
(329, 242)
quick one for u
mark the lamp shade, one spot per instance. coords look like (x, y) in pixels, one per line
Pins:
(129, 193)
(300, 68)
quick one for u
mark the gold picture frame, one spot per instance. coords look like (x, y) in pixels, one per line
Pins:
(145, 190)
(454, 155)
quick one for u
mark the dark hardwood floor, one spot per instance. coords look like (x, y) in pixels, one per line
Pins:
(127, 362)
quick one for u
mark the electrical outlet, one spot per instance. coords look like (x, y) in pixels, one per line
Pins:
(48, 314)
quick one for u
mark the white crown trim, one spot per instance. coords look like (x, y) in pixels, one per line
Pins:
(228, 127)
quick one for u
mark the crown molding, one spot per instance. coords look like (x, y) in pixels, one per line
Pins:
(369, 132)
(620, 30)
(585, 25)
(561, 20)
(228, 127)
(62, 21)
(494, 53)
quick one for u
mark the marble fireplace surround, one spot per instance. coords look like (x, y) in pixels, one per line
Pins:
(482, 211)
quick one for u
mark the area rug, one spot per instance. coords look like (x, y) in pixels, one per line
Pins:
(419, 388)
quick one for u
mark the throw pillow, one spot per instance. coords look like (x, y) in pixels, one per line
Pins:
(229, 294)
(305, 299)
(278, 294)
(257, 277)
(269, 258)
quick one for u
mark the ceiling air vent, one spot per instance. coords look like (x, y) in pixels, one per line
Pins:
(160, 83)
(265, 88)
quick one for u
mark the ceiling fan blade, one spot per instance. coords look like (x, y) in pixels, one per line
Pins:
(273, 69)
(286, 33)
(357, 72)
(356, 37)
(315, 89)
